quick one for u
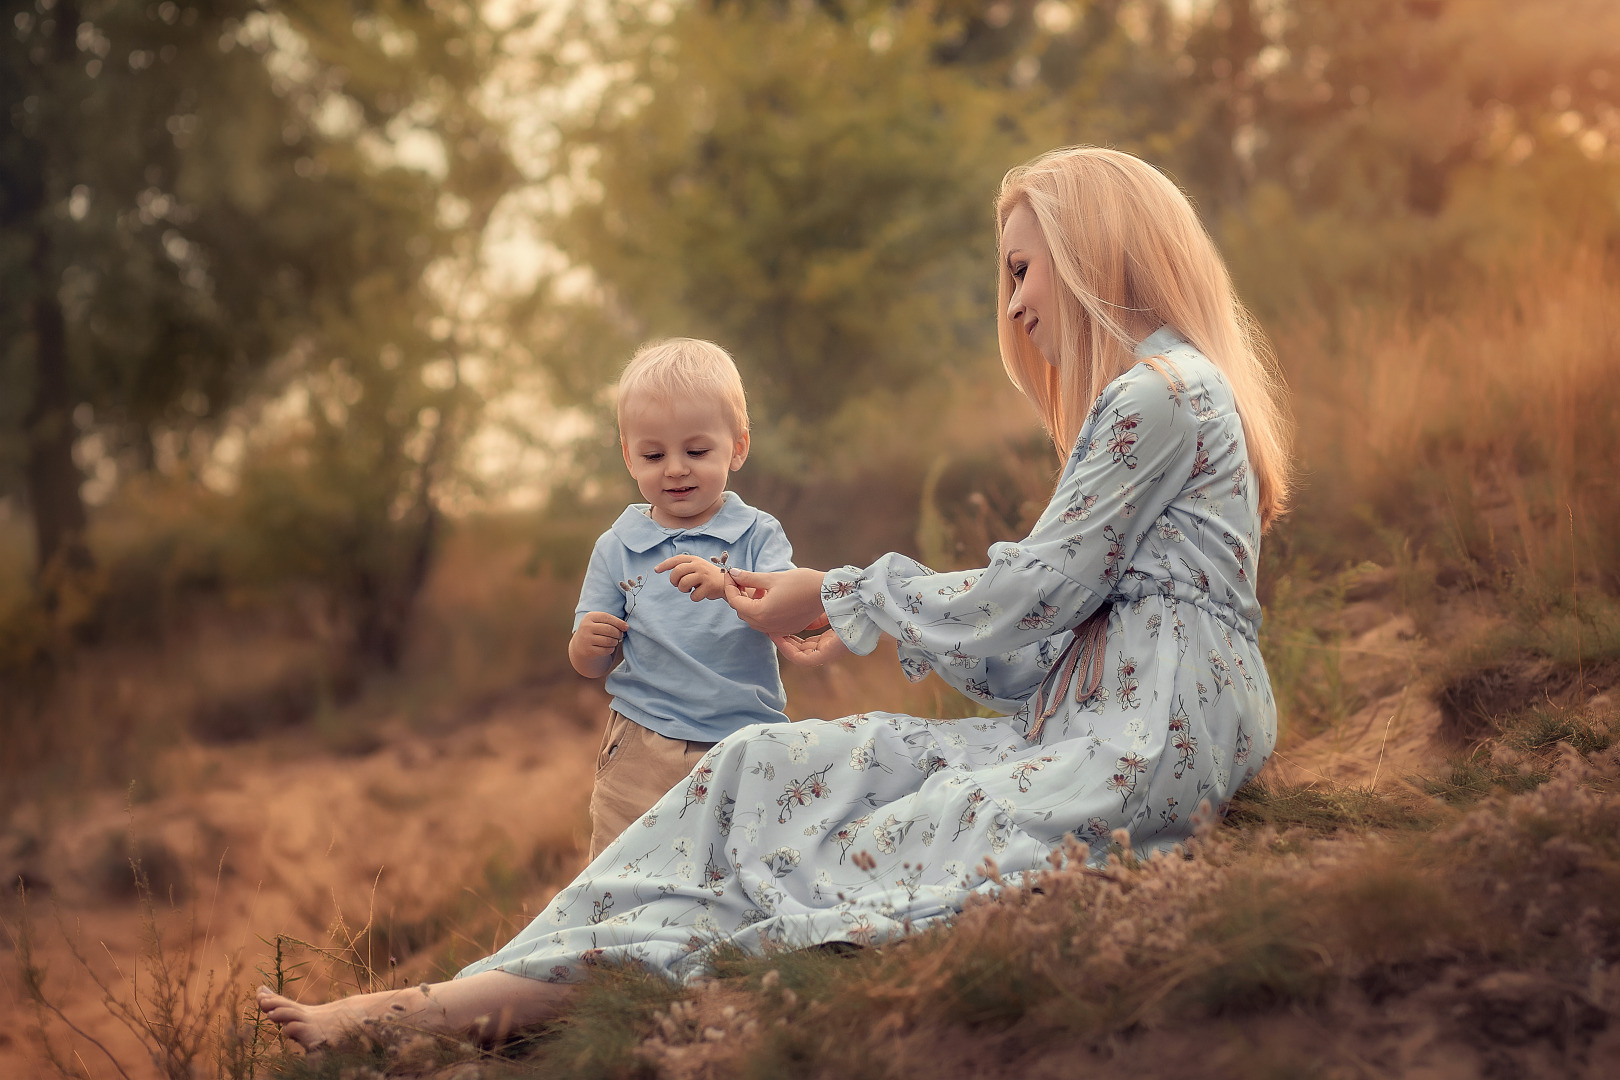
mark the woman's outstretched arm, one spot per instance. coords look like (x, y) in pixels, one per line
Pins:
(992, 632)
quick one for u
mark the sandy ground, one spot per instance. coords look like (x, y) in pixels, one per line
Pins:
(1390, 737)
(262, 842)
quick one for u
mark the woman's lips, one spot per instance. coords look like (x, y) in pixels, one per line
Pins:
(1029, 326)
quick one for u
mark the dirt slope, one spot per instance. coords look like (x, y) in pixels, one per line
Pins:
(412, 838)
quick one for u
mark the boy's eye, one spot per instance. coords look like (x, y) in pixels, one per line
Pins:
(698, 453)
(653, 457)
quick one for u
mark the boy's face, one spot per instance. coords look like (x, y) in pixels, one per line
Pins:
(680, 451)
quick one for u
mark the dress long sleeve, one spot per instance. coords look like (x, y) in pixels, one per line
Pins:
(993, 632)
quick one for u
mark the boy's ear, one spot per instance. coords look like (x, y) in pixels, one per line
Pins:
(624, 448)
(739, 452)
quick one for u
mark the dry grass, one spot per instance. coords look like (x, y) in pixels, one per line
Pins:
(1482, 438)
(1458, 459)
(1099, 966)
(183, 1002)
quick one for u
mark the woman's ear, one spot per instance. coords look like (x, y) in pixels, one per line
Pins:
(739, 452)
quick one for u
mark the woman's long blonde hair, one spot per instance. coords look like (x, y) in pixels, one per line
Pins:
(1128, 247)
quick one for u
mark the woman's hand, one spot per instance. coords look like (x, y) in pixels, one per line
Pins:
(696, 575)
(811, 652)
(781, 602)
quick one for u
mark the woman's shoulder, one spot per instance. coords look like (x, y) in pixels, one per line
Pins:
(1171, 377)
(1156, 388)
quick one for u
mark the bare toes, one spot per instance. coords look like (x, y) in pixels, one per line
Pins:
(268, 999)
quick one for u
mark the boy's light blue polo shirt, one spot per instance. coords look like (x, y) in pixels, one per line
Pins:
(690, 670)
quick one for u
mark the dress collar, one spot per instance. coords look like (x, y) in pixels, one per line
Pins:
(1161, 340)
(640, 533)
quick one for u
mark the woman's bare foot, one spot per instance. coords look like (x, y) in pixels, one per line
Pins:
(486, 1006)
(337, 1021)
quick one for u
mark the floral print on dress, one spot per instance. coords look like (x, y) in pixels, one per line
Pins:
(868, 827)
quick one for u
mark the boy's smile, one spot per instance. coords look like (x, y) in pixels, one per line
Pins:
(680, 452)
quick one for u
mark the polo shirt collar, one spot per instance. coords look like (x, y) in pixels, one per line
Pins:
(1161, 340)
(640, 533)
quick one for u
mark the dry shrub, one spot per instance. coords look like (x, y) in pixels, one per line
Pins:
(183, 1003)
(1483, 436)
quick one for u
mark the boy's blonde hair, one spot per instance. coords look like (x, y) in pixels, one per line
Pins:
(689, 367)
(1125, 239)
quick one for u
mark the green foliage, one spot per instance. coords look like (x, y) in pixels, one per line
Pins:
(1522, 752)
(766, 178)
(809, 185)
(1391, 148)
(1301, 645)
(612, 1014)
(223, 204)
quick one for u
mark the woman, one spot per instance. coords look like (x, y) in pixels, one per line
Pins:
(1119, 637)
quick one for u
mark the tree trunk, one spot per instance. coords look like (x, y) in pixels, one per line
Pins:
(53, 478)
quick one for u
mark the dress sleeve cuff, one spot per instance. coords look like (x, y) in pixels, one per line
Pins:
(846, 609)
(915, 662)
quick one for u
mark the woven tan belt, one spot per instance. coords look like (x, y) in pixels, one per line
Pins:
(1085, 653)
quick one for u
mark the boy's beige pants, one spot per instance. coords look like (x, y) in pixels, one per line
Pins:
(634, 768)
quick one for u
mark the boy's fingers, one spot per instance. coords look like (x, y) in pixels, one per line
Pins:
(674, 561)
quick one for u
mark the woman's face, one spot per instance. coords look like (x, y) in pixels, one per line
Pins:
(1033, 307)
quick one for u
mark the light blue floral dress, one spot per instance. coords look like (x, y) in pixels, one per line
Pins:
(1127, 619)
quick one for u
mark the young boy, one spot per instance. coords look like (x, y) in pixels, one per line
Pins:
(691, 673)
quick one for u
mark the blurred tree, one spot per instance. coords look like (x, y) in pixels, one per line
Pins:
(271, 205)
(811, 185)
(1387, 147)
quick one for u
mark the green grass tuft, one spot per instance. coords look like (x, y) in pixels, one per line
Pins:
(1325, 809)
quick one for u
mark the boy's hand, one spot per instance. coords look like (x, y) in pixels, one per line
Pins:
(696, 575)
(591, 648)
